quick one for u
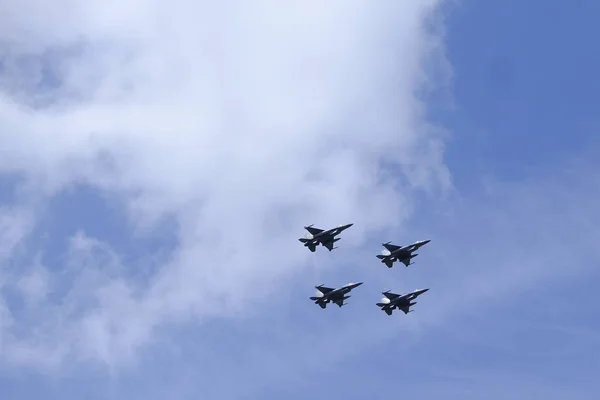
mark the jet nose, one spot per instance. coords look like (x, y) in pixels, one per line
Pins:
(357, 284)
(424, 290)
(348, 226)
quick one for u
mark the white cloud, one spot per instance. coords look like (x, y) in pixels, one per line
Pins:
(34, 285)
(15, 223)
(243, 122)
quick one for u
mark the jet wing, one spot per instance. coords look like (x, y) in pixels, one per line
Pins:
(324, 289)
(405, 309)
(406, 261)
(328, 245)
(391, 247)
(391, 296)
(339, 301)
(313, 231)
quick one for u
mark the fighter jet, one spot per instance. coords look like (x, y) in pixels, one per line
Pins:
(316, 236)
(337, 296)
(404, 254)
(403, 302)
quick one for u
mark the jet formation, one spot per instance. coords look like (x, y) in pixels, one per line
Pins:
(391, 301)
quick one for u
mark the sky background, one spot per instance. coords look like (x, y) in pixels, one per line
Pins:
(157, 165)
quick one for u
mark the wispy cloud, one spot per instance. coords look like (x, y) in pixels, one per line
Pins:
(239, 123)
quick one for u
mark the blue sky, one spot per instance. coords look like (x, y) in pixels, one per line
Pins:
(150, 246)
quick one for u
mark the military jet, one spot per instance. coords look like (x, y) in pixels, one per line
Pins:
(402, 302)
(316, 236)
(325, 295)
(404, 254)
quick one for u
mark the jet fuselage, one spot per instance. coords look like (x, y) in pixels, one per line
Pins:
(336, 295)
(327, 238)
(402, 254)
(391, 301)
